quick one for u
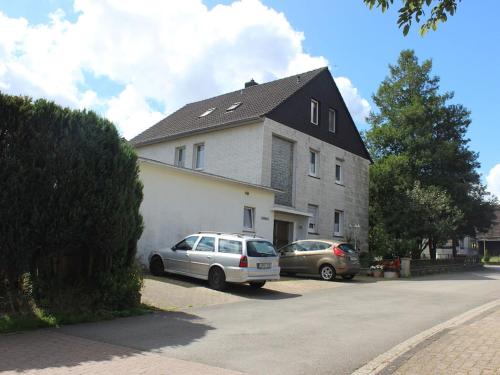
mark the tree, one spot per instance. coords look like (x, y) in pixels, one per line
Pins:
(69, 206)
(415, 9)
(418, 137)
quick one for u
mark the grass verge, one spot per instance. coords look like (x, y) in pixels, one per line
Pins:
(40, 318)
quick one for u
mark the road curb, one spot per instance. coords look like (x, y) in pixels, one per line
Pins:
(378, 364)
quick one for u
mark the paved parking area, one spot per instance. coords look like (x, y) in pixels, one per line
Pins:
(173, 292)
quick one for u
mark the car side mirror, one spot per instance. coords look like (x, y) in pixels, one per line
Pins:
(174, 248)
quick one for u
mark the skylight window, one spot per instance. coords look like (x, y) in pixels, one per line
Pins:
(207, 112)
(233, 106)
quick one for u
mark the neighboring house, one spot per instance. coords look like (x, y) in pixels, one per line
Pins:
(292, 138)
(466, 246)
(491, 239)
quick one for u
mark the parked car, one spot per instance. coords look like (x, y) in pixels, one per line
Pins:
(326, 257)
(219, 258)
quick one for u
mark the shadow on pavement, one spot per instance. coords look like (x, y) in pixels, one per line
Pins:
(70, 346)
(240, 290)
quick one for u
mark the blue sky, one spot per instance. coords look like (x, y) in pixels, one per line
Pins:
(355, 42)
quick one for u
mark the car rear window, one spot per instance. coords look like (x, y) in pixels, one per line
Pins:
(230, 246)
(260, 249)
(347, 248)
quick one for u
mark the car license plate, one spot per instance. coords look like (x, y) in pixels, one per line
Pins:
(263, 265)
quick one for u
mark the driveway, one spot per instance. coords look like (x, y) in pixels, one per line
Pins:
(325, 330)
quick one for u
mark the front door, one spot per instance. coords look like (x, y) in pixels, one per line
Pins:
(283, 233)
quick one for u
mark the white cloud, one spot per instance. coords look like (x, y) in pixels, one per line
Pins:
(493, 180)
(166, 52)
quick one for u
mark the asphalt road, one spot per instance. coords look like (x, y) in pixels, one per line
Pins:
(327, 331)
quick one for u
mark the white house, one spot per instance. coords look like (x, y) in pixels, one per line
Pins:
(282, 159)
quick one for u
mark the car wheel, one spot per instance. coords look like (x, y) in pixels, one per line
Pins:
(156, 266)
(217, 278)
(348, 277)
(257, 284)
(327, 272)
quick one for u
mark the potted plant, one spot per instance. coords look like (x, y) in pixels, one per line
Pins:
(391, 272)
(377, 270)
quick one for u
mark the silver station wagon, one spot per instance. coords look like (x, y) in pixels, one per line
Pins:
(219, 258)
(324, 257)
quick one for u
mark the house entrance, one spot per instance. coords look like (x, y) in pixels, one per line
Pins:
(283, 233)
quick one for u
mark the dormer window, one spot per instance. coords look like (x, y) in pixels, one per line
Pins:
(314, 112)
(207, 112)
(232, 107)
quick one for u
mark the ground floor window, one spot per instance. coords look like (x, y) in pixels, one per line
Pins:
(313, 220)
(249, 218)
(338, 225)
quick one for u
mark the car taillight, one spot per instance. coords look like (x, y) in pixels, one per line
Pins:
(243, 261)
(338, 252)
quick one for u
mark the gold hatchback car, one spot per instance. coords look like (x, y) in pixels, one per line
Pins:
(324, 257)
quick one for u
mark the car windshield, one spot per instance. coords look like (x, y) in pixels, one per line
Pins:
(347, 248)
(260, 249)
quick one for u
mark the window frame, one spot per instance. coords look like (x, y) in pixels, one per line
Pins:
(340, 232)
(314, 108)
(176, 156)
(252, 219)
(334, 128)
(315, 217)
(196, 157)
(316, 163)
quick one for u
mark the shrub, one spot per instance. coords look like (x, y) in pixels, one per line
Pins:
(69, 205)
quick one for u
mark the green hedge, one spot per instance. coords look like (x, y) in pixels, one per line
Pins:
(69, 208)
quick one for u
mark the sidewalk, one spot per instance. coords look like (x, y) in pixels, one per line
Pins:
(472, 348)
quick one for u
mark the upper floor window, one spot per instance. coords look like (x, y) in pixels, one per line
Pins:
(313, 220)
(199, 156)
(314, 112)
(332, 120)
(313, 163)
(180, 156)
(338, 173)
(338, 223)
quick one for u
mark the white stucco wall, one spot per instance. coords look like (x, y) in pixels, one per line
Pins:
(350, 197)
(232, 152)
(179, 202)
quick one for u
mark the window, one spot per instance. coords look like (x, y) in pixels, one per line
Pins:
(338, 173)
(232, 107)
(338, 225)
(206, 244)
(249, 218)
(313, 220)
(230, 246)
(313, 163)
(199, 156)
(207, 112)
(315, 246)
(260, 249)
(314, 112)
(180, 156)
(186, 244)
(332, 120)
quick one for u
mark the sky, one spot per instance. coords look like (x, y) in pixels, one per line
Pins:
(135, 62)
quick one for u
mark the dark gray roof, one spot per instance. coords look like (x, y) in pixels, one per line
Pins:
(256, 101)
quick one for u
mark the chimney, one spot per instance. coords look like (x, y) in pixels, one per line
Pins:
(250, 83)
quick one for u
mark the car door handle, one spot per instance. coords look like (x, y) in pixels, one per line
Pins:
(209, 256)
